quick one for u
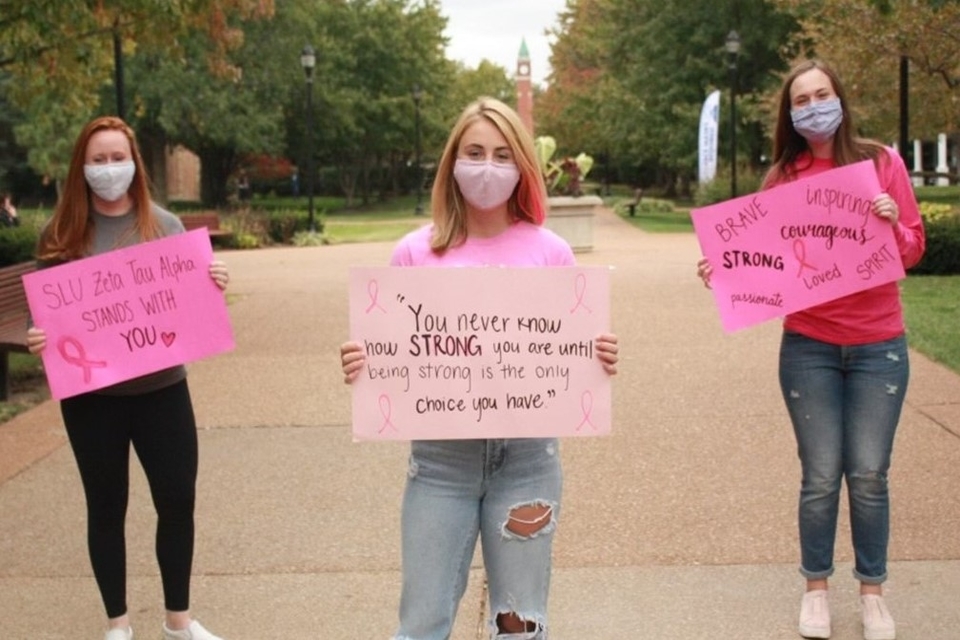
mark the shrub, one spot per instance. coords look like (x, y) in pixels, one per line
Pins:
(18, 244)
(283, 225)
(718, 189)
(942, 256)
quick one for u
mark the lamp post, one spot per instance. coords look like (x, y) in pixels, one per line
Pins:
(308, 61)
(417, 95)
(733, 50)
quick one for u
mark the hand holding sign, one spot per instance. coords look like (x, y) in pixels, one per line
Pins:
(479, 352)
(797, 245)
(129, 312)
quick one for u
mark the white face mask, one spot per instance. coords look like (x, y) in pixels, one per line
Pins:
(110, 181)
(486, 185)
(818, 121)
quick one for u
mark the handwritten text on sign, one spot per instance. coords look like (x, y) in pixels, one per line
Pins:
(483, 352)
(129, 312)
(797, 245)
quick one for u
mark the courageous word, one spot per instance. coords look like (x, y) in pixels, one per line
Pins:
(736, 258)
(822, 278)
(749, 215)
(760, 299)
(830, 198)
(876, 262)
(828, 231)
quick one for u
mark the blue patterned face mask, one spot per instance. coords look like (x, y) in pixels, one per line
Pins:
(818, 121)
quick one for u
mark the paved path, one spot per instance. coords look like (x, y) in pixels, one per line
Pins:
(680, 525)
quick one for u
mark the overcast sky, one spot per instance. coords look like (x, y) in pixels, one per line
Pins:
(494, 29)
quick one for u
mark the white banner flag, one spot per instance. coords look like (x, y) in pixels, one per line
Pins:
(709, 119)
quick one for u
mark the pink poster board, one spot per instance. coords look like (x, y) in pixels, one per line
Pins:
(797, 245)
(129, 312)
(484, 352)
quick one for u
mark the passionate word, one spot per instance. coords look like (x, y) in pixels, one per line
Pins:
(774, 300)
(732, 227)
(736, 258)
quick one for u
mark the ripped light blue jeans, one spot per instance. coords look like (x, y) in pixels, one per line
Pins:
(458, 490)
(844, 403)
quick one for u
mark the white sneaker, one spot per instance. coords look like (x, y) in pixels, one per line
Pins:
(119, 634)
(877, 621)
(194, 632)
(815, 615)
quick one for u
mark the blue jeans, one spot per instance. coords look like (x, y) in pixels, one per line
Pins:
(844, 403)
(457, 490)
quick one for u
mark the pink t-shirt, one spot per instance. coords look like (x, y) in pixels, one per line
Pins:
(875, 314)
(522, 244)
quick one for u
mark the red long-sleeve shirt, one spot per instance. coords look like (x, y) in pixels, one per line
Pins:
(875, 314)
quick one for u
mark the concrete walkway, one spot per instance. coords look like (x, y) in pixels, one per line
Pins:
(680, 525)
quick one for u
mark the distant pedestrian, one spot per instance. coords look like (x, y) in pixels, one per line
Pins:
(106, 205)
(295, 183)
(8, 212)
(843, 364)
(244, 192)
(489, 204)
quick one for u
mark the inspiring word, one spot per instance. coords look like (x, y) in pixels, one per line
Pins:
(830, 198)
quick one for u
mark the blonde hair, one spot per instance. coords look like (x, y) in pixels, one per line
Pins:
(528, 201)
(70, 231)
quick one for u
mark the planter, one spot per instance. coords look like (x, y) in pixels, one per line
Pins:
(572, 219)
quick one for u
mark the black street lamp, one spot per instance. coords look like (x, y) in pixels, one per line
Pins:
(417, 95)
(733, 50)
(308, 61)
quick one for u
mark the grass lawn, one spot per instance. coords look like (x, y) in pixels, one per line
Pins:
(931, 306)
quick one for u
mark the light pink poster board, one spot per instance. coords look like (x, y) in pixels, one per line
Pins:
(797, 245)
(483, 352)
(129, 312)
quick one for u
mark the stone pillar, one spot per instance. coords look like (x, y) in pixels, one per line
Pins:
(917, 162)
(942, 160)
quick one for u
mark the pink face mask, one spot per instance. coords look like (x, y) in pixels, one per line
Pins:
(486, 185)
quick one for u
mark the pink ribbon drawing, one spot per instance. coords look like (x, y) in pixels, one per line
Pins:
(373, 291)
(586, 407)
(80, 358)
(800, 253)
(386, 408)
(580, 289)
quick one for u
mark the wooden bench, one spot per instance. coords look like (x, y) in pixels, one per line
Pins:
(13, 318)
(208, 219)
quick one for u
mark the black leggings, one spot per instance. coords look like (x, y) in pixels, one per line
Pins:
(161, 426)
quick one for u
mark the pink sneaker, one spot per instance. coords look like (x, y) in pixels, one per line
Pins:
(877, 621)
(815, 615)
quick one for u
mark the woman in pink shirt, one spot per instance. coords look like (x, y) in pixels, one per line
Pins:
(843, 364)
(489, 203)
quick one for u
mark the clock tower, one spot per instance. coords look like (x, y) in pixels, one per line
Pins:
(524, 87)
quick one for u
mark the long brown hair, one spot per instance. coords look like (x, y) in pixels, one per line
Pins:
(528, 201)
(789, 146)
(70, 230)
